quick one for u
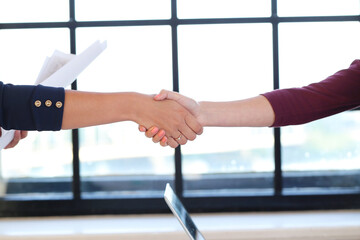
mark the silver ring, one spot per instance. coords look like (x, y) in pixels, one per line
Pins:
(179, 138)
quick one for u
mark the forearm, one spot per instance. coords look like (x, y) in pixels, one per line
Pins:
(252, 112)
(83, 109)
(335, 94)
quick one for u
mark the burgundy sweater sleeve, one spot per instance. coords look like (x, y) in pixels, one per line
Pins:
(337, 93)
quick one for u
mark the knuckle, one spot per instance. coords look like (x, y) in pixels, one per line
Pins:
(180, 124)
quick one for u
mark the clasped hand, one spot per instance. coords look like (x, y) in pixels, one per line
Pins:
(186, 129)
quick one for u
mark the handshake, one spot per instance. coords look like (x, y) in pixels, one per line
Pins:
(189, 117)
(182, 120)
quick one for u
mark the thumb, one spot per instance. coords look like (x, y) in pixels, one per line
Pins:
(165, 94)
(190, 104)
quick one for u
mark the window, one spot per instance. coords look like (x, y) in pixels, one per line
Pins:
(210, 50)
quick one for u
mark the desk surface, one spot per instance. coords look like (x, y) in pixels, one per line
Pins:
(300, 225)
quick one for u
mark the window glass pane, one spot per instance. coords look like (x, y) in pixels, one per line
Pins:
(225, 63)
(94, 10)
(318, 7)
(310, 52)
(34, 11)
(27, 49)
(326, 152)
(223, 8)
(137, 59)
(41, 155)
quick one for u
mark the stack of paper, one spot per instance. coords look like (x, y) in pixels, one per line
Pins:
(60, 70)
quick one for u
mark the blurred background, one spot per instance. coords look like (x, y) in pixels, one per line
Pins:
(210, 50)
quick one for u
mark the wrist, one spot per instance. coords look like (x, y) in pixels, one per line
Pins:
(212, 114)
(203, 114)
(134, 106)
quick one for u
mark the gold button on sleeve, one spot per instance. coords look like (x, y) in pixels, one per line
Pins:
(59, 104)
(37, 103)
(48, 103)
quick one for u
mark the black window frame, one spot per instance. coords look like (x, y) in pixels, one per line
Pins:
(77, 205)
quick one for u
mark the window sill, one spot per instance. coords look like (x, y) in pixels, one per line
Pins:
(343, 225)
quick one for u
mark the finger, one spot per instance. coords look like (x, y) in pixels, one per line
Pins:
(162, 95)
(164, 141)
(194, 124)
(23, 134)
(181, 139)
(165, 94)
(151, 132)
(142, 128)
(172, 143)
(158, 136)
(15, 141)
(188, 133)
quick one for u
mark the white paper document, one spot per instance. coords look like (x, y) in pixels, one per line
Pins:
(60, 70)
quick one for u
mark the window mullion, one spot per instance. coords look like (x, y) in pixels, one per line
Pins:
(175, 63)
(277, 135)
(75, 133)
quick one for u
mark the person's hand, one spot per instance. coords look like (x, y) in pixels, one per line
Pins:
(171, 119)
(18, 135)
(190, 104)
(157, 134)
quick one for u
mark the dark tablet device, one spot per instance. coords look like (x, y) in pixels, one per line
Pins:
(178, 209)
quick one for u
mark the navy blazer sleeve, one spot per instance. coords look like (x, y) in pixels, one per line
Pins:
(28, 107)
